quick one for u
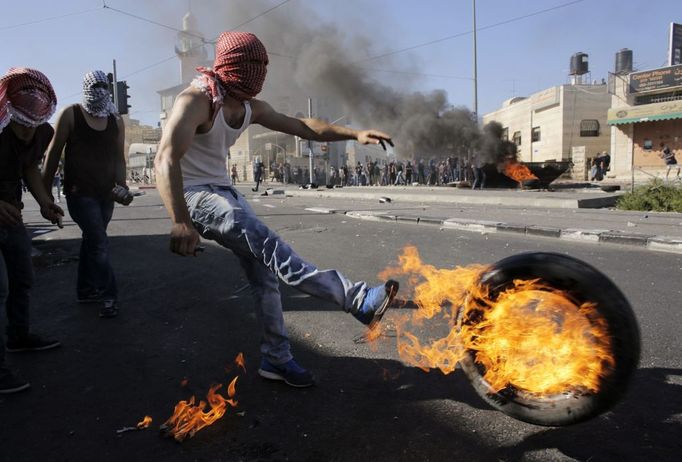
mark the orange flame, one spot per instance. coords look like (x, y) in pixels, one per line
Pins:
(517, 171)
(531, 336)
(188, 418)
(239, 361)
(144, 423)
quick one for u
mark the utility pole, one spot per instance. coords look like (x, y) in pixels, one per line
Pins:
(475, 67)
(475, 76)
(310, 143)
(115, 87)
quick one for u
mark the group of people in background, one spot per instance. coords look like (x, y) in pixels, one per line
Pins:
(85, 149)
(434, 172)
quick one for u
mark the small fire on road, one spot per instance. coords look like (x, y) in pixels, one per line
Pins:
(517, 171)
(144, 423)
(189, 417)
(528, 336)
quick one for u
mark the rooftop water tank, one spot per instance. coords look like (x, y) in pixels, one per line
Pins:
(578, 64)
(624, 61)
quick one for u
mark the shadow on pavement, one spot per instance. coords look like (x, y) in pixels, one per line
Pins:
(646, 427)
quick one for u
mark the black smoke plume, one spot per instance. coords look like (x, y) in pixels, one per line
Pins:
(310, 58)
(494, 149)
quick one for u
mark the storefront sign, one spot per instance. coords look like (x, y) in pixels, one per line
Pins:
(657, 79)
(645, 113)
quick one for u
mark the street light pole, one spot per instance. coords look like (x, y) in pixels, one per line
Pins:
(310, 143)
(475, 67)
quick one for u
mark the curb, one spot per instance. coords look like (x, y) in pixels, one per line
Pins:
(647, 241)
(605, 199)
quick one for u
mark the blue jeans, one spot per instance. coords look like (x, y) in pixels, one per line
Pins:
(95, 274)
(223, 215)
(16, 279)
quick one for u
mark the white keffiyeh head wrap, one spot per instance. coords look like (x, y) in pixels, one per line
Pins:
(96, 97)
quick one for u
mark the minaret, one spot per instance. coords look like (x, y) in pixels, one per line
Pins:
(190, 48)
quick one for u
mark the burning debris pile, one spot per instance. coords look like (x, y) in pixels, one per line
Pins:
(530, 336)
(501, 153)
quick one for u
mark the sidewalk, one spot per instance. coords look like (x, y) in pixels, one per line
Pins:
(534, 213)
(578, 198)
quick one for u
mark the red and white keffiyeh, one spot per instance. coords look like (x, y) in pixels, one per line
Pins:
(26, 96)
(239, 68)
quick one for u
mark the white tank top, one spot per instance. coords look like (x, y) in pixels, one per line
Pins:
(206, 159)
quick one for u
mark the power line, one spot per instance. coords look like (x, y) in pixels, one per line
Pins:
(151, 21)
(209, 41)
(166, 26)
(262, 14)
(390, 71)
(461, 34)
(419, 74)
(51, 18)
(148, 67)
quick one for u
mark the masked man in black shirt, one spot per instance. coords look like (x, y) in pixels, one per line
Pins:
(27, 101)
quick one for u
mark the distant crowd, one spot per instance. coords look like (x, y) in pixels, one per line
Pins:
(433, 172)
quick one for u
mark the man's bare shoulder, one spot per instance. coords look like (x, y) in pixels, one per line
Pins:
(192, 94)
(66, 115)
(68, 110)
(259, 108)
(193, 101)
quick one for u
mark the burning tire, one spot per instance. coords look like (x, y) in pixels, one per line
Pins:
(590, 298)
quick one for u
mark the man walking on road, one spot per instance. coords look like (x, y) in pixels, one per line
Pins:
(668, 157)
(91, 135)
(27, 101)
(258, 172)
(207, 119)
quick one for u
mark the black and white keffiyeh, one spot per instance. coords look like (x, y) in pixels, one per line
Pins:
(96, 97)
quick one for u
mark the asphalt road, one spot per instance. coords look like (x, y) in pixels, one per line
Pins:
(187, 318)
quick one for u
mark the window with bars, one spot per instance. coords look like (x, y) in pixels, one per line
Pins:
(589, 127)
(535, 134)
(517, 138)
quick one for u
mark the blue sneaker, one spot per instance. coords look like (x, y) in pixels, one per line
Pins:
(376, 302)
(290, 372)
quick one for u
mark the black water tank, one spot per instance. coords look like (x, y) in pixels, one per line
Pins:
(624, 61)
(578, 64)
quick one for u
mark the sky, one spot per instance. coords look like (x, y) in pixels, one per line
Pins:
(522, 46)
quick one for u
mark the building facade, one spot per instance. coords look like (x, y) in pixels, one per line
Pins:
(550, 124)
(645, 116)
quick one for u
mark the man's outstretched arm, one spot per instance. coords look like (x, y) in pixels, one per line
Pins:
(190, 110)
(313, 129)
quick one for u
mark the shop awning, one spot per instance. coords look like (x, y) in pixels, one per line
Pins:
(645, 113)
